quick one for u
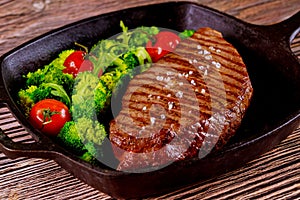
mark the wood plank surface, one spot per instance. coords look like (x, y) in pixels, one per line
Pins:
(274, 175)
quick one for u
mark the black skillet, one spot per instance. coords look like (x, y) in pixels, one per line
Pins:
(274, 112)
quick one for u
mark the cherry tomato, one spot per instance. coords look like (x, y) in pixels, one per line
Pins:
(76, 63)
(86, 65)
(165, 42)
(49, 116)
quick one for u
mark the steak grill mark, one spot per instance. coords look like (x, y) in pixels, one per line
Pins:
(191, 100)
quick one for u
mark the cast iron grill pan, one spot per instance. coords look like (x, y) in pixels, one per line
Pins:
(273, 113)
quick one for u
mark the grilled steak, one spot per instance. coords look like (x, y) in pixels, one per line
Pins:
(189, 102)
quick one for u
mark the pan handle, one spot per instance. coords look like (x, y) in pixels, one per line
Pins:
(278, 38)
(41, 148)
(287, 29)
(38, 149)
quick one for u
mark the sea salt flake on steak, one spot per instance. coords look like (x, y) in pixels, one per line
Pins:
(185, 105)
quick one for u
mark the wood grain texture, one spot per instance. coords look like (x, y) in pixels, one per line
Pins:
(274, 175)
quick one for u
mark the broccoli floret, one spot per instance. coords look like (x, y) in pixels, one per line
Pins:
(29, 96)
(52, 73)
(84, 133)
(114, 77)
(85, 83)
(47, 82)
(131, 60)
(109, 79)
(91, 131)
(138, 36)
(82, 137)
(87, 132)
(107, 83)
(101, 95)
(83, 104)
(136, 57)
(71, 138)
(106, 52)
(141, 35)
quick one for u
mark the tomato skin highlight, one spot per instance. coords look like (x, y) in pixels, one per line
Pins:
(165, 42)
(49, 116)
(76, 63)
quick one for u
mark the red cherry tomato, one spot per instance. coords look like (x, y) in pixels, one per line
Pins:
(49, 116)
(76, 63)
(86, 65)
(165, 42)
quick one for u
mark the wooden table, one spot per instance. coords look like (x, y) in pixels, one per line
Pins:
(274, 175)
